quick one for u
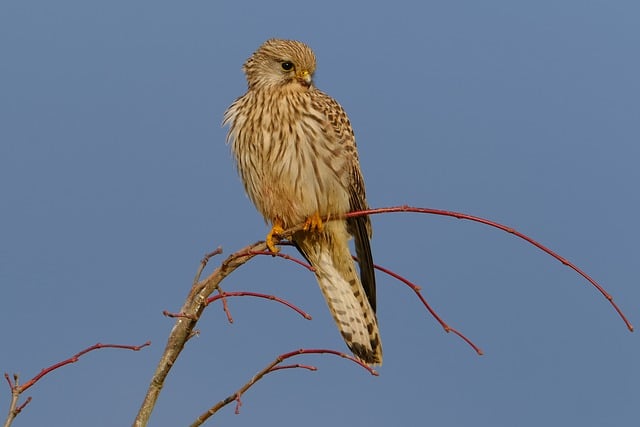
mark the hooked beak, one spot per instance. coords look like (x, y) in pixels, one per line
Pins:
(304, 76)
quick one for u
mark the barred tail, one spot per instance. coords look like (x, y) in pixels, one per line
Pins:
(328, 252)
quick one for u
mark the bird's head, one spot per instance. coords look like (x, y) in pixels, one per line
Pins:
(280, 62)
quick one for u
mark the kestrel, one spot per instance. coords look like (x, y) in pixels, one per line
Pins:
(296, 155)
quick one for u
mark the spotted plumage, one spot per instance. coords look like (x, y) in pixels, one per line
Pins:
(296, 155)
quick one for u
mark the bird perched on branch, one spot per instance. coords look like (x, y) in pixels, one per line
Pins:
(296, 155)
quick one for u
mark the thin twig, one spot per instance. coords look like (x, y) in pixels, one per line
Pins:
(284, 256)
(417, 290)
(17, 389)
(510, 230)
(273, 367)
(225, 306)
(224, 295)
(203, 263)
(75, 358)
(196, 299)
(294, 366)
(174, 315)
(186, 321)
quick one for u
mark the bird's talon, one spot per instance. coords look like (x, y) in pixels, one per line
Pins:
(274, 237)
(313, 223)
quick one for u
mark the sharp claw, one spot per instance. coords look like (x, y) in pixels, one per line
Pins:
(273, 237)
(313, 223)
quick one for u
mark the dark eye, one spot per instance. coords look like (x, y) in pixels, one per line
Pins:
(287, 66)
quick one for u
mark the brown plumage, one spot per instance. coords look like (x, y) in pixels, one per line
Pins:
(296, 154)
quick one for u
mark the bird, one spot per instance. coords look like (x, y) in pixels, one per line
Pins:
(296, 155)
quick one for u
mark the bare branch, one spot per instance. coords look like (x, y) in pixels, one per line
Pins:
(288, 257)
(75, 358)
(415, 288)
(205, 261)
(225, 306)
(460, 215)
(174, 315)
(201, 290)
(192, 310)
(186, 321)
(17, 389)
(294, 366)
(273, 367)
(224, 295)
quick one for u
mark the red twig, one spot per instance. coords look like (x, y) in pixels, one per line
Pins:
(74, 359)
(509, 230)
(294, 366)
(238, 403)
(6, 377)
(273, 367)
(21, 407)
(17, 389)
(286, 356)
(435, 315)
(280, 255)
(223, 295)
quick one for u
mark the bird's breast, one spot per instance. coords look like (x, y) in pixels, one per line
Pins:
(289, 159)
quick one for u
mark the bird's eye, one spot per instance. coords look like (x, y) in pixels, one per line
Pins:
(287, 66)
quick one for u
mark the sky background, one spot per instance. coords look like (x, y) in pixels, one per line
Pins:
(115, 179)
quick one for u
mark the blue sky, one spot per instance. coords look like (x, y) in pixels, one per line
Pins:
(115, 180)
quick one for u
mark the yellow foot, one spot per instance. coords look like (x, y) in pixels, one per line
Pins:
(273, 236)
(313, 223)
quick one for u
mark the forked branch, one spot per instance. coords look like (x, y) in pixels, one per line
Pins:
(223, 295)
(17, 389)
(418, 291)
(200, 292)
(272, 367)
(460, 215)
(190, 312)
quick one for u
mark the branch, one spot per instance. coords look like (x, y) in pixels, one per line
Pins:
(272, 367)
(502, 227)
(260, 295)
(17, 389)
(75, 358)
(191, 311)
(415, 288)
(205, 261)
(284, 256)
(223, 295)
(201, 290)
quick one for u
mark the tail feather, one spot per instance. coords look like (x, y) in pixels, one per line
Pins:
(328, 252)
(358, 228)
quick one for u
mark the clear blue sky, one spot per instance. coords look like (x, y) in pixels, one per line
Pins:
(115, 180)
